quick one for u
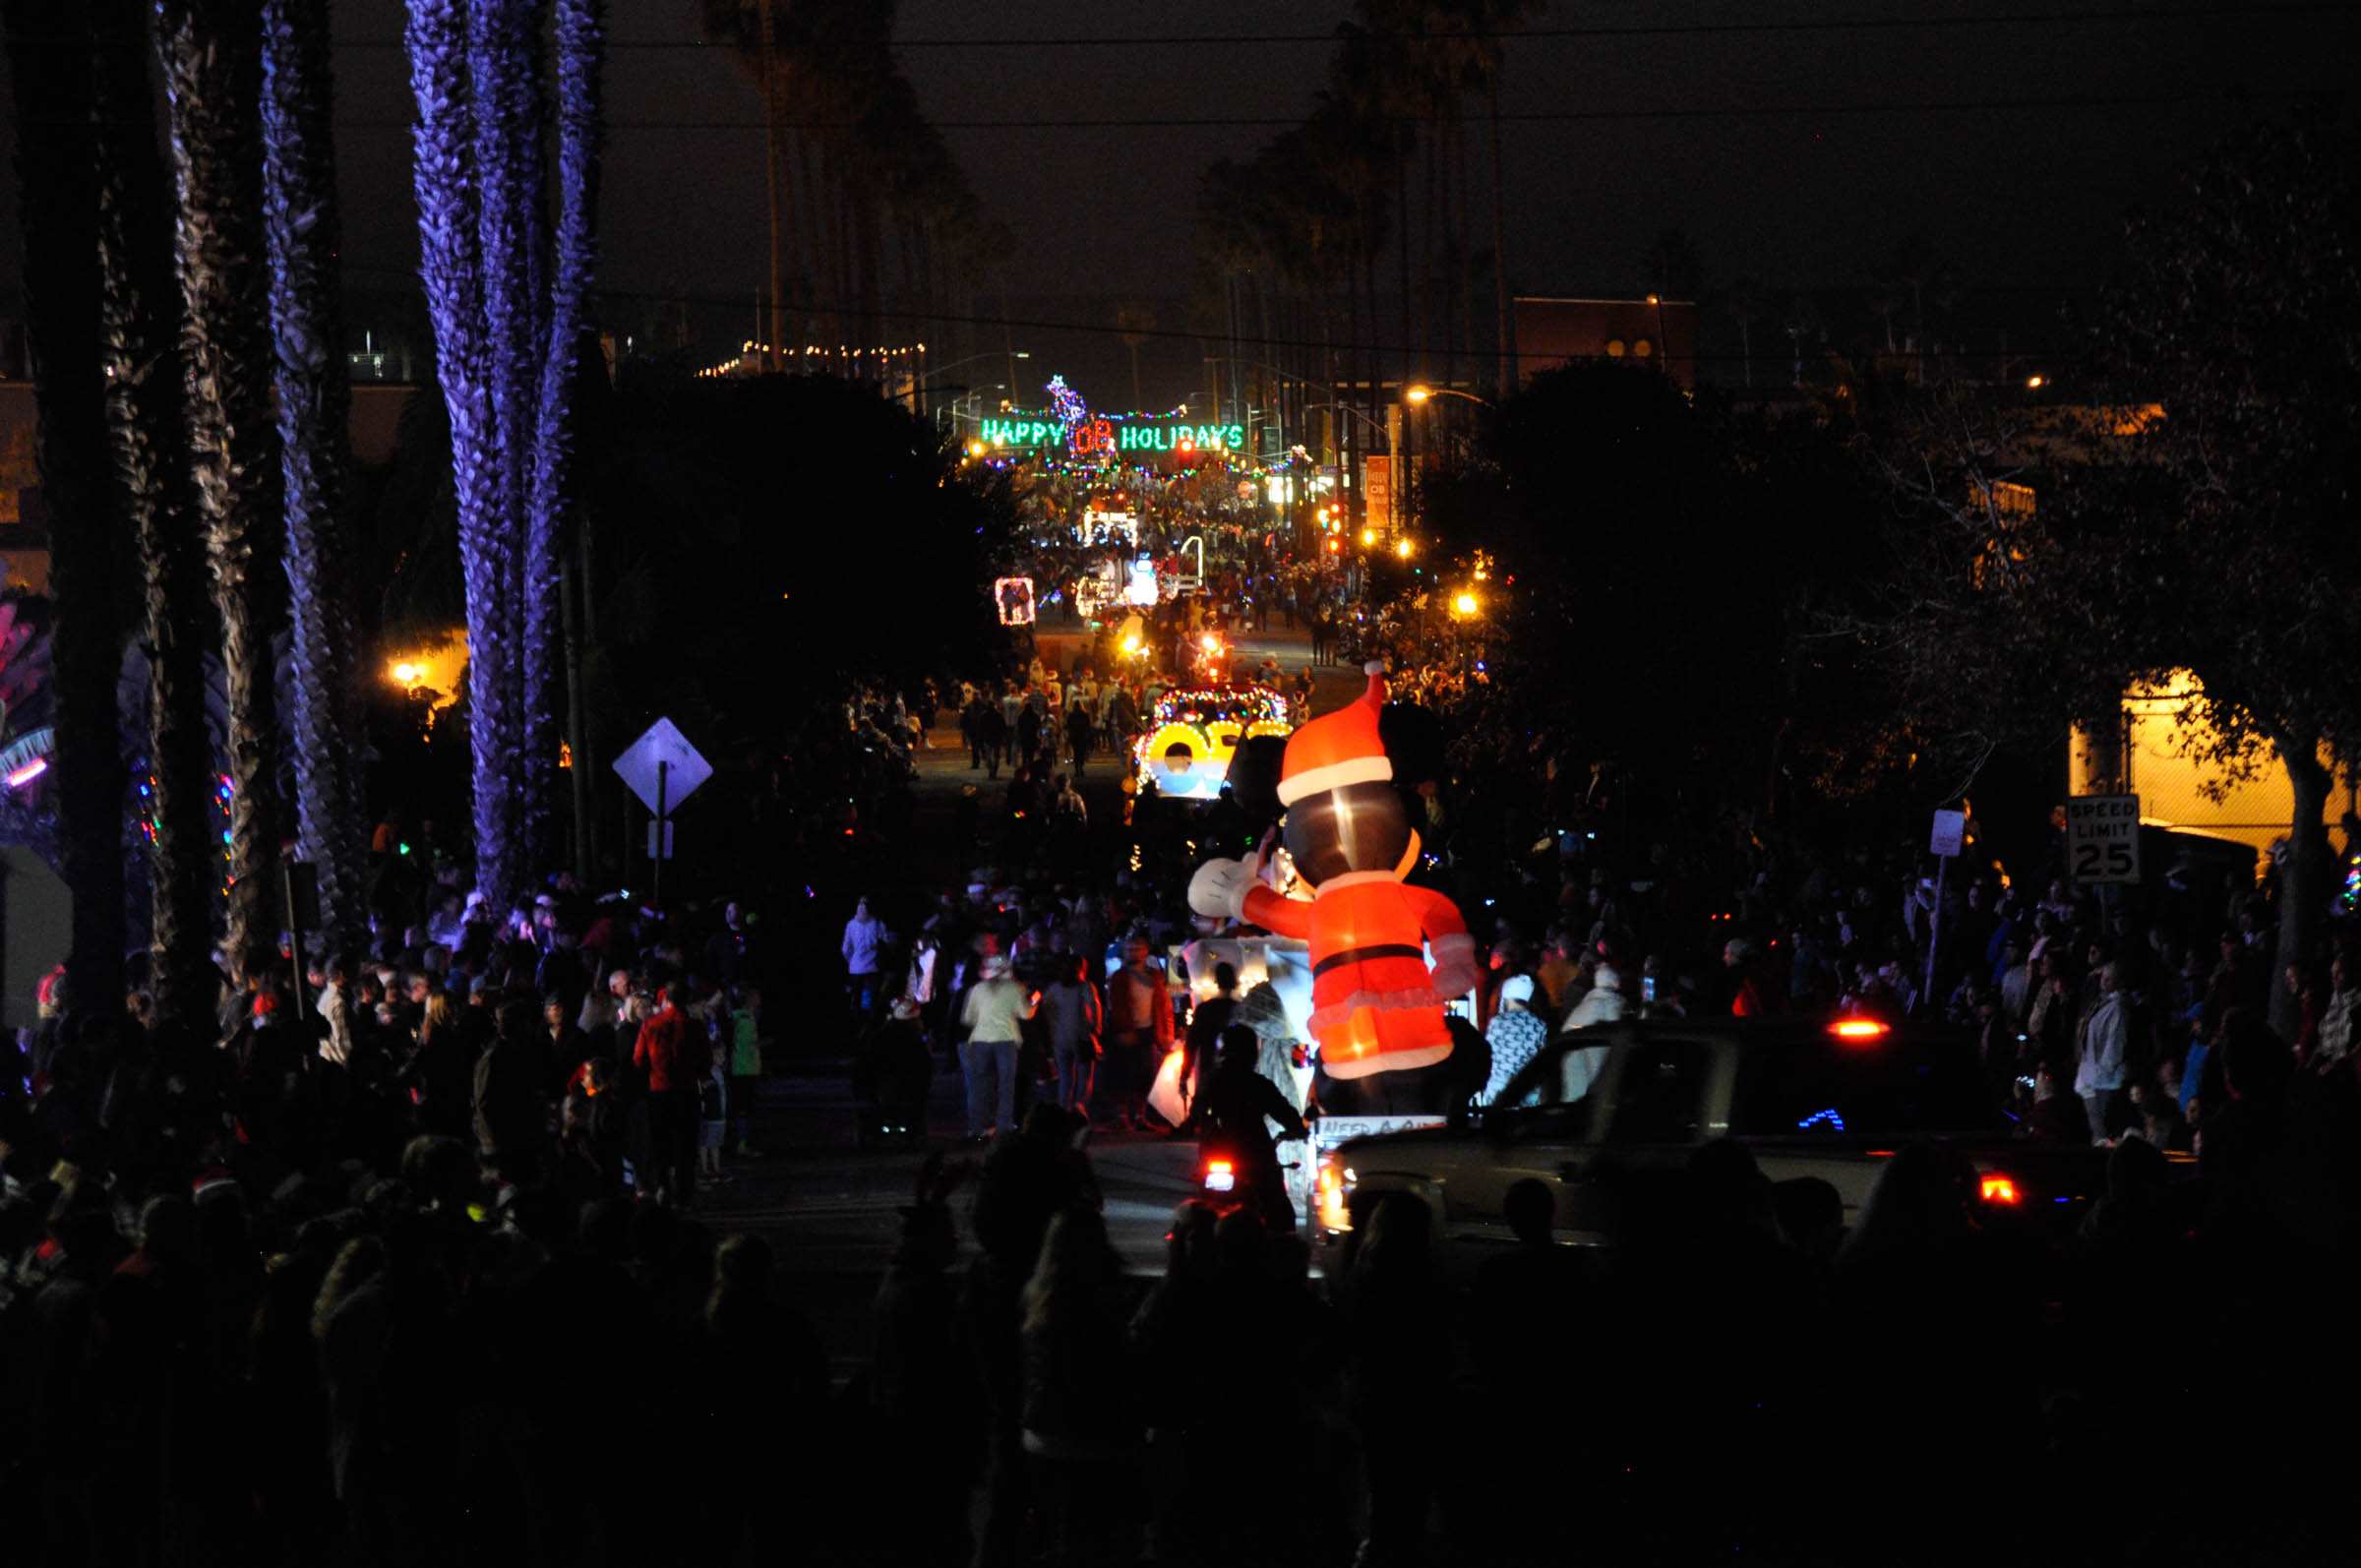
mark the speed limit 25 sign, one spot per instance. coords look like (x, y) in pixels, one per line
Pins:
(2103, 838)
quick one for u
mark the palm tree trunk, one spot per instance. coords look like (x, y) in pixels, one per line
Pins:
(811, 225)
(51, 60)
(775, 329)
(500, 48)
(450, 269)
(1505, 323)
(213, 57)
(551, 499)
(315, 398)
(146, 421)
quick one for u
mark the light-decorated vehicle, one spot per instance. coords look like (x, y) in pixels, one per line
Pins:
(1602, 1113)
(1192, 734)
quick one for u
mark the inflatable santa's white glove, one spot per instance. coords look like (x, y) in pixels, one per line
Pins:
(1218, 888)
(1455, 971)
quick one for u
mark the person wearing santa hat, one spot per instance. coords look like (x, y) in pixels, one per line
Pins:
(1376, 1008)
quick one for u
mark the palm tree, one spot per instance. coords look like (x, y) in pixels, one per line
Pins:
(211, 51)
(147, 430)
(1675, 270)
(314, 396)
(51, 58)
(450, 266)
(506, 165)
(1743, 300)
(1133, 323)
(1803, 324)
(550, 501)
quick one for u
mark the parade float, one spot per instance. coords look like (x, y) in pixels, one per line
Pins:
(1193, 734)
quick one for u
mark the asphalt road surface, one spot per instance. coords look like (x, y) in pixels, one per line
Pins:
(832, 1209)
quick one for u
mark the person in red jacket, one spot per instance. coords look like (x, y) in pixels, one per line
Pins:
(1375, 1006)
(661, 1052)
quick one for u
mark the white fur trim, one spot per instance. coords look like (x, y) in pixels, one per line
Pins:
(1373, 667)
(1320, 780)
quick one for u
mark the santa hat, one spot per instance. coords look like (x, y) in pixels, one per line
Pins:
(1340, 747)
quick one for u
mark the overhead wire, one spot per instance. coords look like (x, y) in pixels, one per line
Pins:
(1705, 111)
(2113, 16)
(735, 302)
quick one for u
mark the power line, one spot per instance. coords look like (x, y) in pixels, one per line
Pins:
(737, 302)
(1690, 30)
(1712, 111)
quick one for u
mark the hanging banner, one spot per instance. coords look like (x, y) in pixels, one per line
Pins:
(1377, 491)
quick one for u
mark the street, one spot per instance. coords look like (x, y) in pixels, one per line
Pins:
(830, 1208)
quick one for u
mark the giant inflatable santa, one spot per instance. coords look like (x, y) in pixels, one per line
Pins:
(1375, 1005)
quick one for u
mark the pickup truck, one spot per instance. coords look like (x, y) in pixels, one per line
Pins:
(1833, 1101)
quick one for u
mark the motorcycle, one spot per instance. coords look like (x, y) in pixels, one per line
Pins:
(1230, 1183)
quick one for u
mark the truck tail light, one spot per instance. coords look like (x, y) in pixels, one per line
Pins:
(2000, 1190)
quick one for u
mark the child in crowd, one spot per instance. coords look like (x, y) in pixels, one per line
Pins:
(746, 1065)
(712, 1111)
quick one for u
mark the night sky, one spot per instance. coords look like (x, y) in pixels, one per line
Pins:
(2025, 202)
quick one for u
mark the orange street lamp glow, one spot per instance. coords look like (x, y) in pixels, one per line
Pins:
(1465, 604)
(1416, 393)
(1368, 537)
(1401, 548)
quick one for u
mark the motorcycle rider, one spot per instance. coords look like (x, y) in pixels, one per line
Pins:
(1235, 1108)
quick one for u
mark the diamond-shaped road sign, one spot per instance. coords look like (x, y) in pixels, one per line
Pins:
(683, 770)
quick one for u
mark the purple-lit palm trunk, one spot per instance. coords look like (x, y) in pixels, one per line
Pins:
(506, 312)
(449, 265)
(577, 40)
(508, 159)
(314, 397)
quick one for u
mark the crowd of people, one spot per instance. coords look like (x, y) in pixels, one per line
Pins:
(409, 1257)
(332, 1280)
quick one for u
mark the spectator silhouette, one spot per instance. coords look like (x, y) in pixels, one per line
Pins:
(1081, 1431)
(1397, 1327)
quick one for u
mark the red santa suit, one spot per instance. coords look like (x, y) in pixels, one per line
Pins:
(1376, 1007)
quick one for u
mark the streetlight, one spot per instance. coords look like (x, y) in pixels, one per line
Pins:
(1465, 604)
(932, 371)
(1417, 392)
(1401, 548)
(1391, 431)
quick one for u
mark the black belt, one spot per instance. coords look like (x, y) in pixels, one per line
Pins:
(1355, 955)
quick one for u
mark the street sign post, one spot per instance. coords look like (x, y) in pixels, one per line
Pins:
(1944, 843)
(2103, 838)
(663, 769)
(1950, 834)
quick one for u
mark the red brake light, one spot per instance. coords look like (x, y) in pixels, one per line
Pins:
(1859, 1029)
(1999, 1189)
